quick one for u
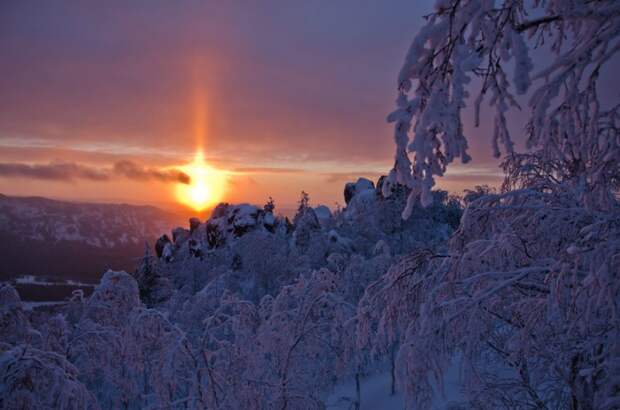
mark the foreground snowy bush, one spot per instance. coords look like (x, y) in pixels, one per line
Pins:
(527, 300)
(526, 295)
(36, 379)
(132, 357)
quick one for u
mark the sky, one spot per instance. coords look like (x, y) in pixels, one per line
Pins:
(283, 96)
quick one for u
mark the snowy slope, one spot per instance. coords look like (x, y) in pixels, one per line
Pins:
(77, 241)
(375, 393)
(99, 225)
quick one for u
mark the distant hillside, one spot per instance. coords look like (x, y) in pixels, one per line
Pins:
(71, 240)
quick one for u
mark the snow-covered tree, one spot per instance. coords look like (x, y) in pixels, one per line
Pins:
(308, 237)
(568, 126)
(132, 357)
(98, 346)
(301, 344)
(387, 309)
(525, 296)
(269, 206)
(284, 353)
(166, 370)
(31, 378)
(371, 217)
(15, 327)
(56, 335)
(154, 286)
(230, 353)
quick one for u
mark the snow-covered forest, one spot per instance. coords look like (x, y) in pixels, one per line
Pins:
(517, 287)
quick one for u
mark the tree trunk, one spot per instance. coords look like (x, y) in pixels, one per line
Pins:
(392, 371)
(358, 393)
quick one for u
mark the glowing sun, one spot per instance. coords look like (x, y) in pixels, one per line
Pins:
(206, 187)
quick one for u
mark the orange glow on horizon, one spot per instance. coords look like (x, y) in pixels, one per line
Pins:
(207, 185)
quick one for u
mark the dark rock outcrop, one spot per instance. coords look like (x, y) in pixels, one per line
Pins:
(194, 224)
(161, 244)
(353, 188)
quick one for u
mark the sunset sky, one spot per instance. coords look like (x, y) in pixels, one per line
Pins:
(281, 96)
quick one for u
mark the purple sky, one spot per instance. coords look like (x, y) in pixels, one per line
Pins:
(292, 95)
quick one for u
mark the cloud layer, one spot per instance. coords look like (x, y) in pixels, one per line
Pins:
(67, 172)
(132, 170)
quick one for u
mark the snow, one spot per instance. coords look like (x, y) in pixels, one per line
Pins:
(345, 243)
(375, 394)
(245, 215)
(35, 305)
(269, 219)
(323, 214)
(9, 298)
(28, 279)
(37, 280)
(363, 184)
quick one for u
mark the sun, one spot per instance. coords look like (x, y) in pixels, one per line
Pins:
(206, 187)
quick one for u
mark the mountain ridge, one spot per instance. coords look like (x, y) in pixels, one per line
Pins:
(75, 240)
